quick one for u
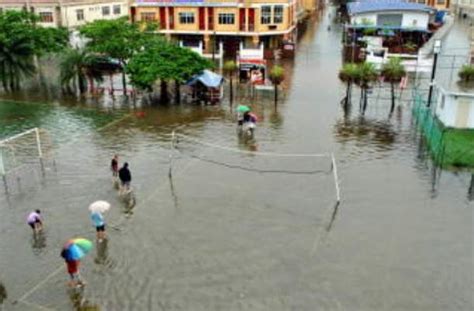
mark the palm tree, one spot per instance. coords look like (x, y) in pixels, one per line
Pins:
(366, 74)
(277, 75)
(348, 75)
(16, 63)
(393, 72)
(229, 68)
(81, 67)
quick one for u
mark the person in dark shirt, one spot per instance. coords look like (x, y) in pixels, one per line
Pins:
(125, 176)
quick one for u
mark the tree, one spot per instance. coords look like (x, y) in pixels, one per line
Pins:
(78, 67)
(366, 74)
(229, 68)
(21, 40)
(348, 75)
(277, 75)
(164, 61)
(117, 38)
(393, 72)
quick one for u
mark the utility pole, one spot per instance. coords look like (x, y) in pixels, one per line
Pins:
(214, 40)
(436, 50)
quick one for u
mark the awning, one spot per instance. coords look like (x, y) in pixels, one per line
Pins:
(208, 78)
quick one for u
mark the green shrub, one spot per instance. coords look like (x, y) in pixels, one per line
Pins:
(466, 73)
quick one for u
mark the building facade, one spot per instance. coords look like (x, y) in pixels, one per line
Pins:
(437, 4)
(69, 13)
(252, 22)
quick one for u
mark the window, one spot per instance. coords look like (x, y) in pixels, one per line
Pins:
(440, 1)
(117, 10)
(226, 18)
(186, 18)
(266, 14)
(46, 17)
(80, 15)
(422, 1)
(278, 14)
(105, 10)
(148, 17)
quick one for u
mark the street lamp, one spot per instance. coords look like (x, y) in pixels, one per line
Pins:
(436, 50)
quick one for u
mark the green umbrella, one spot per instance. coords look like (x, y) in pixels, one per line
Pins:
(243, 108)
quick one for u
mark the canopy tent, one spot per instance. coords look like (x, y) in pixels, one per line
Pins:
(207, 78)
(207, 87)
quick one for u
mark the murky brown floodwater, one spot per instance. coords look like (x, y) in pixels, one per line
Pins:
(220, 237)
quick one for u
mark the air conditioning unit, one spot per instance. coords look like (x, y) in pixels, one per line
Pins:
(272, 27)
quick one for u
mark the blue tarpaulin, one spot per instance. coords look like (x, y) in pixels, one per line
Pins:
(208, 78)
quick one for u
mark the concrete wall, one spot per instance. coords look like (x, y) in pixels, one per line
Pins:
(410, 19)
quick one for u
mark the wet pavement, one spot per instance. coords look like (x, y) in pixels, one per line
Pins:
(220, 236)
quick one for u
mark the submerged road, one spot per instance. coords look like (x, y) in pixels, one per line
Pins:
(217, 237)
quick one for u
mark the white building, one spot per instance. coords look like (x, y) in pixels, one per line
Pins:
(394, 14)
(455, 109)
(463, 8)
(69, 13)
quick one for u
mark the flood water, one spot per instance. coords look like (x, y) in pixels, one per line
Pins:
(241, 231)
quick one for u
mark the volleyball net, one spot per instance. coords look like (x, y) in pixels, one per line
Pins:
(247, 160)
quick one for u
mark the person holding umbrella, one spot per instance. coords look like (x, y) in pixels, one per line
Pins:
(72, 252)
(241, 111)
(97, 209)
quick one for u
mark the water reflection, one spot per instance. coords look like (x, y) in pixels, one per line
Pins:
(470, 192)
(38, 241)
(378, 132)
(3, 294)
(276, 120)
(79, 303)
(102, 255)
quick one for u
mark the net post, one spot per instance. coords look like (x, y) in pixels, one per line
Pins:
(170, 172)
(336, 179)
(40, 152)
(2, 172)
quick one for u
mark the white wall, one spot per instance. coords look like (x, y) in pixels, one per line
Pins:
(408, 20)
(92, 12)
(449, 113)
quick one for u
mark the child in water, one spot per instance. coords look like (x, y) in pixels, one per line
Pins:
(34, 221)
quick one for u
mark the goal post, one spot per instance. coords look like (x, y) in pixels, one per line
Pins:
(20, 154)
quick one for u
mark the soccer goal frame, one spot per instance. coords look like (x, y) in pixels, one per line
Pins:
(35, 131)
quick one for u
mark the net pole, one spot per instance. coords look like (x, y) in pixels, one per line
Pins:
(170, 172)
(38, 143)
(40, 152)
(336, 180)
